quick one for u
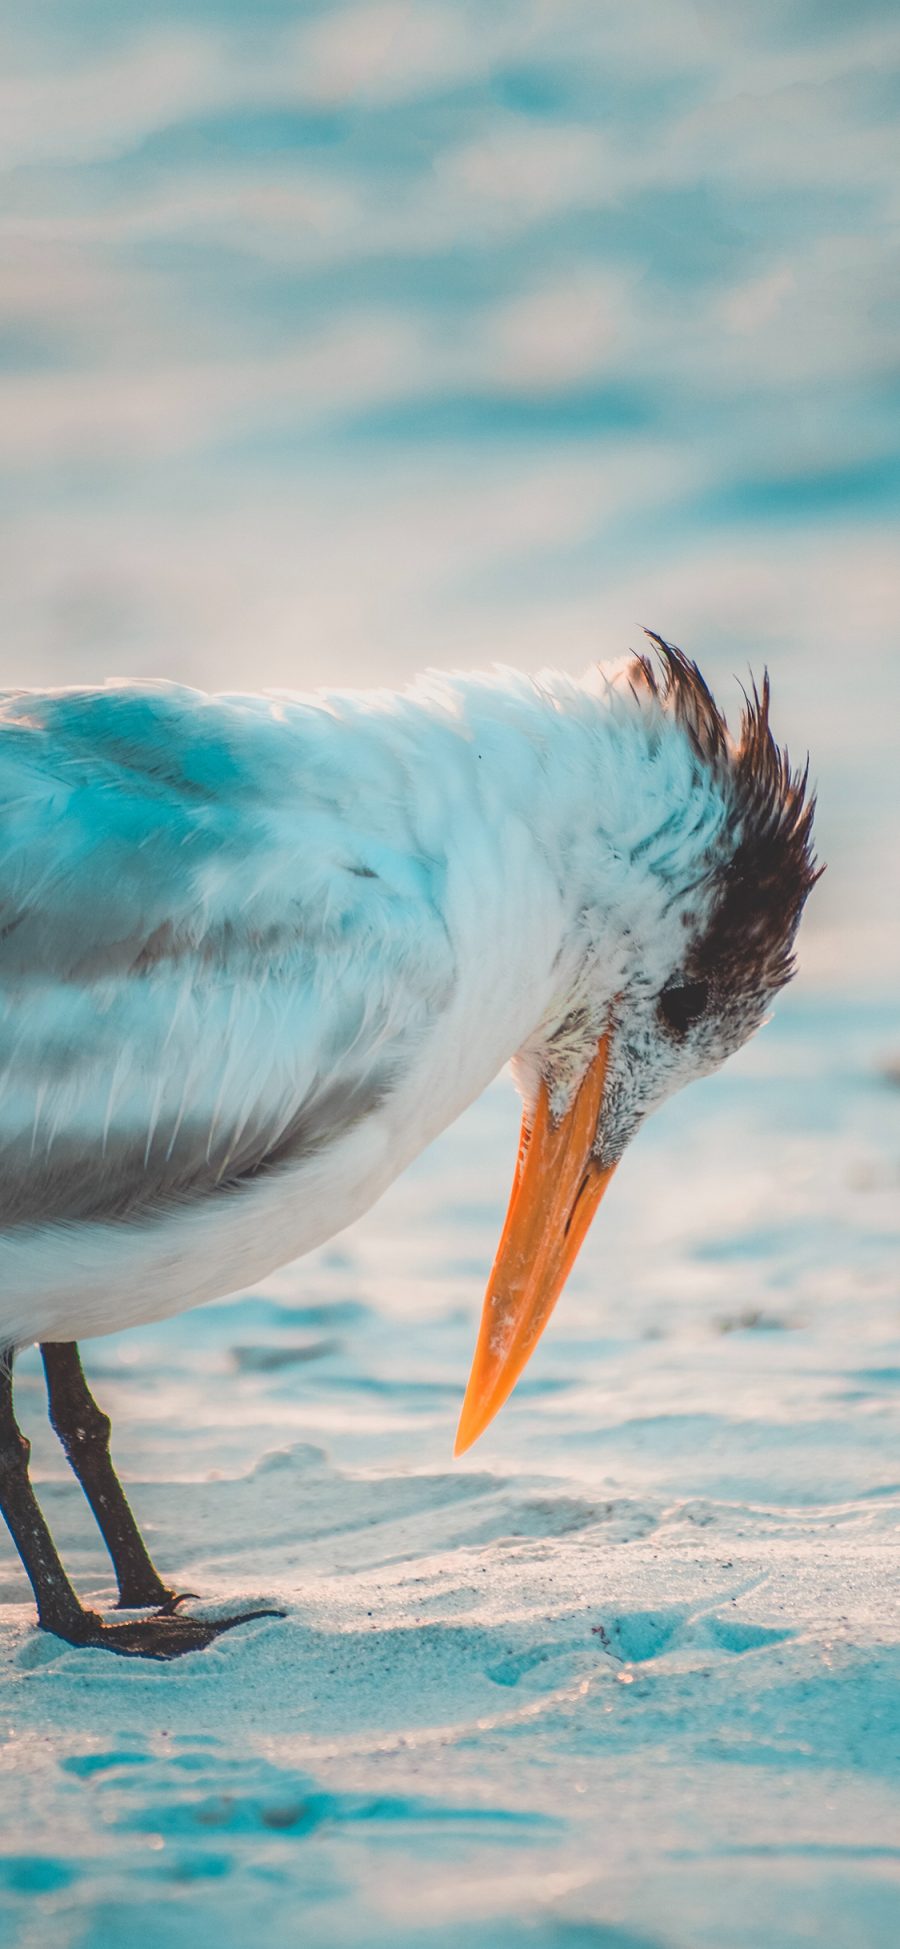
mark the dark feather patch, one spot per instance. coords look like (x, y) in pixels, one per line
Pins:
(765, 866)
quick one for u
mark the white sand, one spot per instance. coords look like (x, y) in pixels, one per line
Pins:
(629, 1675)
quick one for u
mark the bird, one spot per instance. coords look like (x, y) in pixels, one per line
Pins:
(257, 950)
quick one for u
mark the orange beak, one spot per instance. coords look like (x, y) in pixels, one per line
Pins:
(557, 1188)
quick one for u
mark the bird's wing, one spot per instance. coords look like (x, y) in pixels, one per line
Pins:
(215, 954)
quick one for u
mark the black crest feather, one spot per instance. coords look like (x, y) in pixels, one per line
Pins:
(766, 868)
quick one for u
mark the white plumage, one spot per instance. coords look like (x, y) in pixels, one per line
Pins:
(257, 951)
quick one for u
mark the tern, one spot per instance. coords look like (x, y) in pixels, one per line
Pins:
(256, 951)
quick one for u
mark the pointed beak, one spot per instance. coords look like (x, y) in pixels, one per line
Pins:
(557, 1188)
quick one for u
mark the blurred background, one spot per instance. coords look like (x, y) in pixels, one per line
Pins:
(341, 339)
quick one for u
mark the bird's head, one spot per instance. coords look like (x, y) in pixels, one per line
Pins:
(707, 864)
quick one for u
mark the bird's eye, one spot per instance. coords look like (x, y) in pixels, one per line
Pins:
(679, 1007)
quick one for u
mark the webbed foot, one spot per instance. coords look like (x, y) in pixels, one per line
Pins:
(162, 1636)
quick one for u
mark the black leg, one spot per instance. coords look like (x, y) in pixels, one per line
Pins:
(58, 1607)
(83, 1429)
(59, 1610)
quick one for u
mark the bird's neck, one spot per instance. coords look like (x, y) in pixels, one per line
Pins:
(547, 810)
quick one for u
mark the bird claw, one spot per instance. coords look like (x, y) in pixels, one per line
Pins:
(174, 1598)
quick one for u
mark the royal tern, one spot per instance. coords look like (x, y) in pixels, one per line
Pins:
(257, 951)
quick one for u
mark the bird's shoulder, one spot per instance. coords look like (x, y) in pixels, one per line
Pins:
(137, 819)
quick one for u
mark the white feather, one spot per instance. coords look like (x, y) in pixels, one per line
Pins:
(219, 915)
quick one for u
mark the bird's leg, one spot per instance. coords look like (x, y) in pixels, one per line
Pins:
(59, 1610)
(58, 1607)
(83, 1429)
